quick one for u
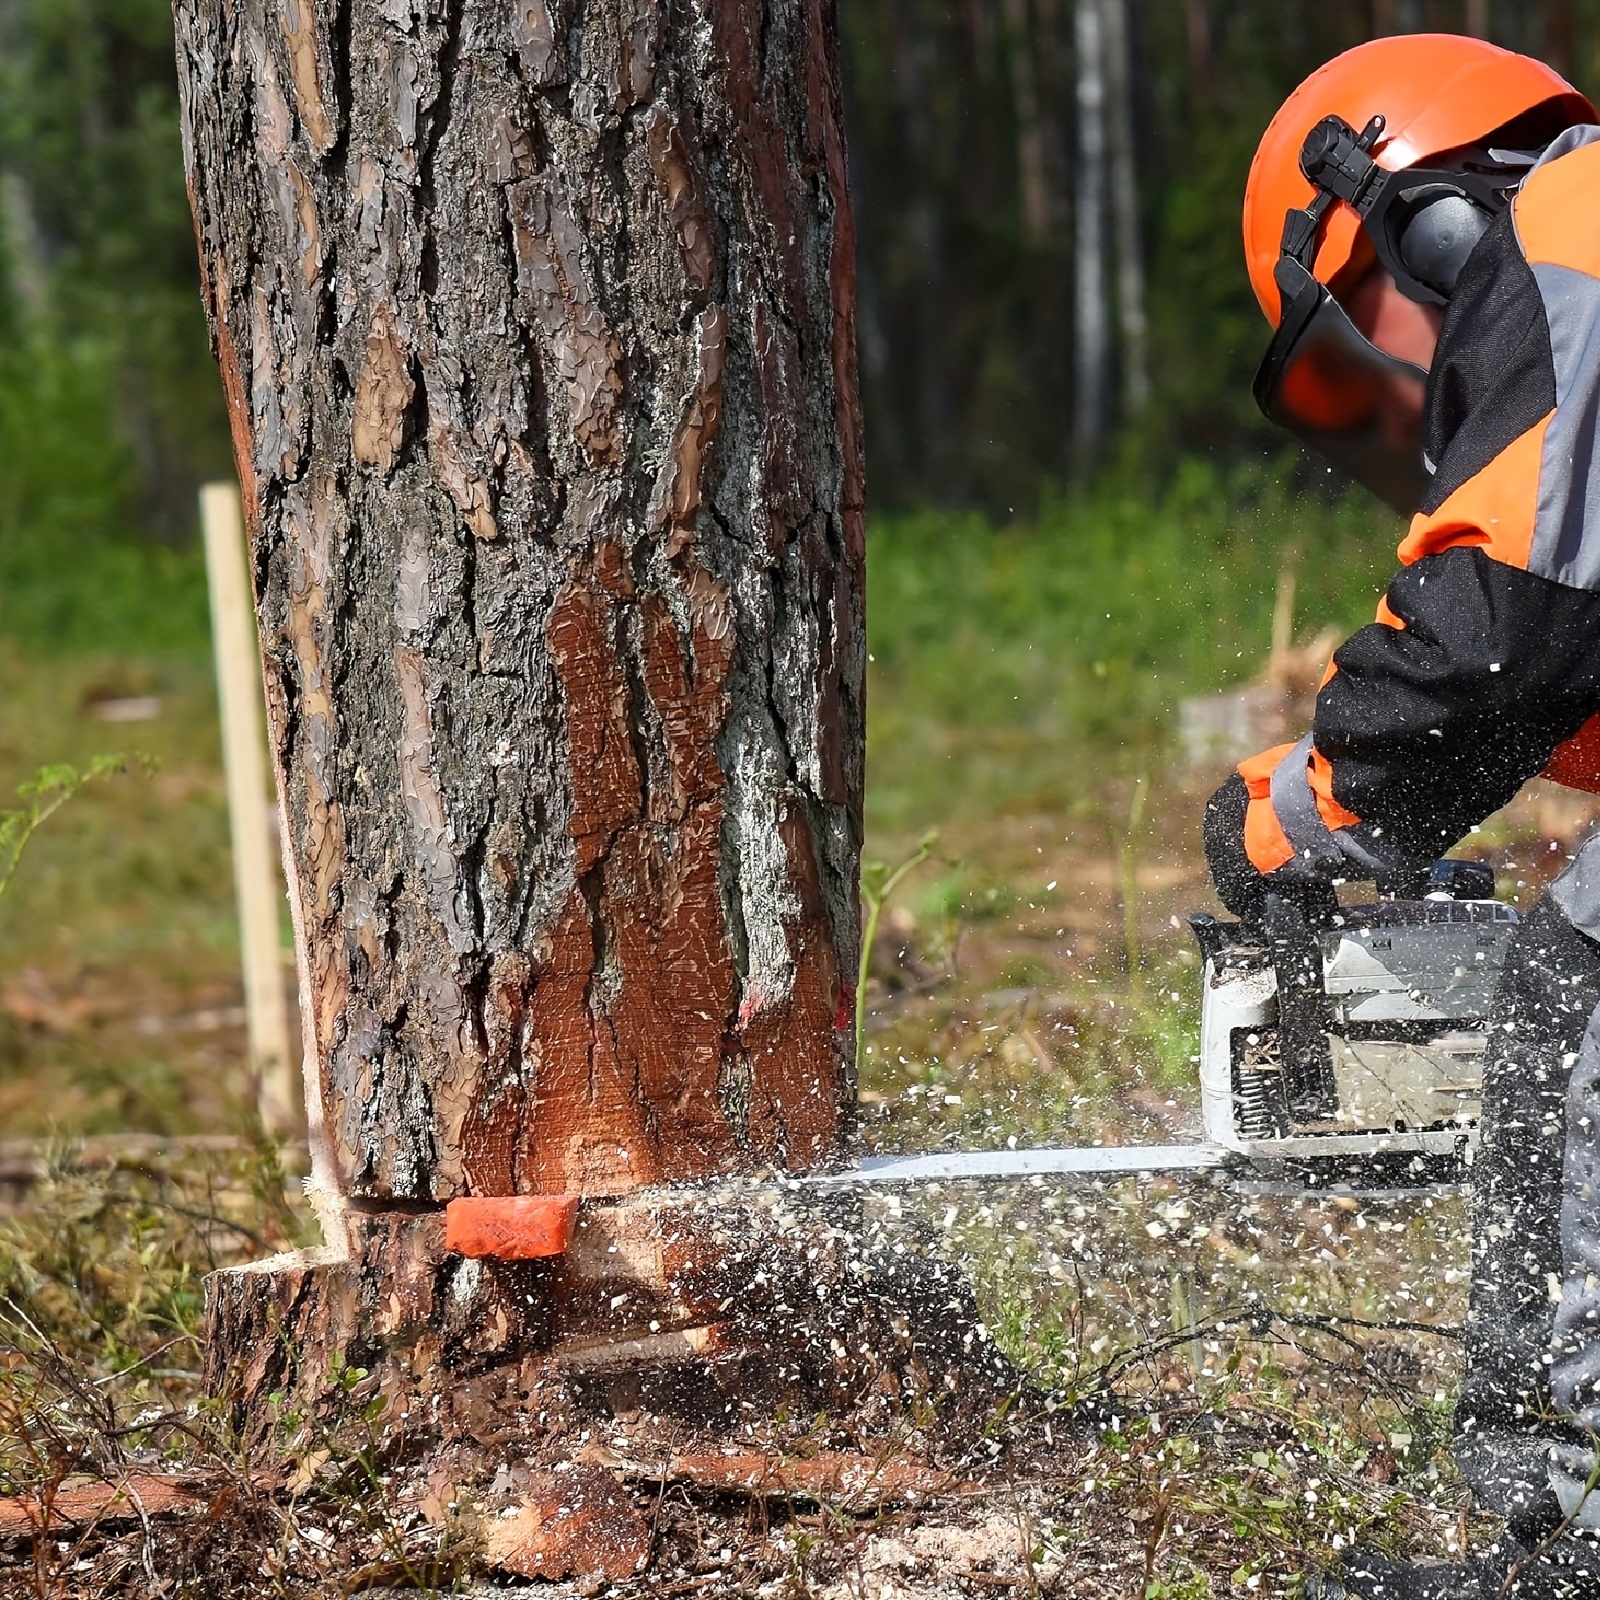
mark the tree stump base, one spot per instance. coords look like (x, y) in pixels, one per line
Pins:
(699, 1306)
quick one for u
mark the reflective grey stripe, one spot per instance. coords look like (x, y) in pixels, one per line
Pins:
(1577, 890)
(1571, 1467)
(1575, 1339)
(1319, 851)
(1374, 866)
(1296, 808)
(1566, 527)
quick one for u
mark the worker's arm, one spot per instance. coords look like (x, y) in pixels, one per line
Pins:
(1432, 719)
(1486, 654)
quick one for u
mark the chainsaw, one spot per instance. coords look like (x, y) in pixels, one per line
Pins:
(1345, 1048)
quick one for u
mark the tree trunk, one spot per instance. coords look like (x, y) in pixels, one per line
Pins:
(536, 325)
(1090, 345)
(1560, 36)
(936, 463)
(1123, 174)
(1033, 162)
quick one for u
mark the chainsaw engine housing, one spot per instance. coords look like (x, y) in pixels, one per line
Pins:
(1355, 1040)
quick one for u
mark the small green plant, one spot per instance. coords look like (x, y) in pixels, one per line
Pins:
(878, 882)
(1128, 874)
(41, 797)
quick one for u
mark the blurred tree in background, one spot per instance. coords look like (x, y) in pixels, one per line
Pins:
(1047, 193)
(998, 349)
(110, 408)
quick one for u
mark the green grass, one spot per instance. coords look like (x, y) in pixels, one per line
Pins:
(1030, 664)
(118, 938)
(72, 579)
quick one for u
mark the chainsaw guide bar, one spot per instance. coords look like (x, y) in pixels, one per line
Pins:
(1343, 1164)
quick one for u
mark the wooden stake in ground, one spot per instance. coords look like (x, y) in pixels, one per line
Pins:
(536, 328)
(258, 887)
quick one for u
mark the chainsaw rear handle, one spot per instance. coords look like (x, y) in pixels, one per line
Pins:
(1302, 1008)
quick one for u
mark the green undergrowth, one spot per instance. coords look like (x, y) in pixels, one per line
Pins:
(73, 578)
(119, 975)
(1033, 1067)
(1030, 663)
(101, 1306)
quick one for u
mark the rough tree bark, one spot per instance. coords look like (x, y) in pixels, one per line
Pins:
(536, 323)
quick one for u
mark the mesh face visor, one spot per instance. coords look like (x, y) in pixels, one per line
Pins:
(1355, 404)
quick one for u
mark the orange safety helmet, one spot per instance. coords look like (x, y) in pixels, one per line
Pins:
(1322, 205)
(1435, 91)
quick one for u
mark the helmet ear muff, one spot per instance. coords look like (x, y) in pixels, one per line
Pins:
(1435, 242)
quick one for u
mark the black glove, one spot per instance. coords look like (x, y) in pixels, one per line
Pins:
(1239, 886)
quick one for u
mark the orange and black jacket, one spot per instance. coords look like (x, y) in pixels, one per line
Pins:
(1483, 668)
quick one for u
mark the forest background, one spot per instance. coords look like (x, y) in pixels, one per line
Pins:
(1077, 517)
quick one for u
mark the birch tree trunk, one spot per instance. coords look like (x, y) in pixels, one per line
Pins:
(1197, 35)
(536, 326)
(1560, 35)
(1091, 344)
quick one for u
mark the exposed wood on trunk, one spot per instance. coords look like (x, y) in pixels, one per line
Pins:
(536, 324)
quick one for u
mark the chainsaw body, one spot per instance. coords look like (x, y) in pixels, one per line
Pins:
(1359, 1039)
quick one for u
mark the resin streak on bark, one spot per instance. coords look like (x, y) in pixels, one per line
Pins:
(535, 322)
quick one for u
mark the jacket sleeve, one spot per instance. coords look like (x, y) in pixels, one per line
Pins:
(1436, 715)
(1485, 657)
